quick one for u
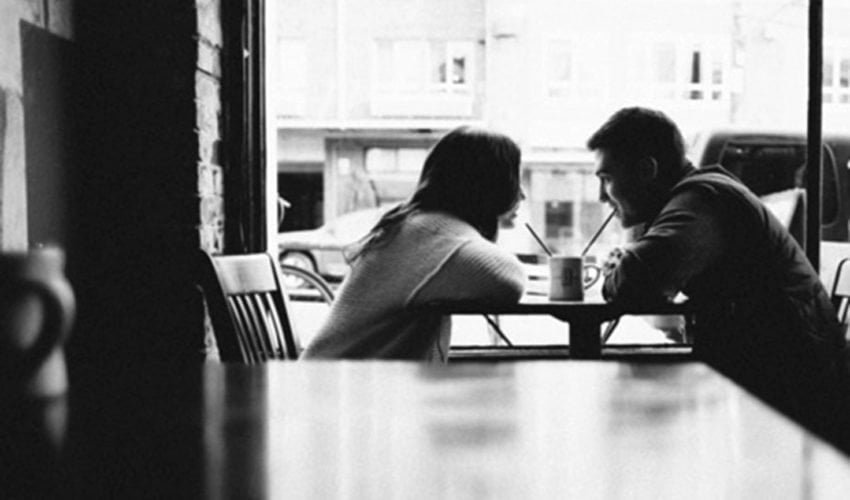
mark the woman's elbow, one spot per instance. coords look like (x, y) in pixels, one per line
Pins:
(508, 291)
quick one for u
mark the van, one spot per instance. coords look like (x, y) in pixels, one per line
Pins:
(771, 162)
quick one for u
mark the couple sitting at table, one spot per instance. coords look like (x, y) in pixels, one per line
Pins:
(769, 322)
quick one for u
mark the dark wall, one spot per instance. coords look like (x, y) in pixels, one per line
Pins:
(135, 201)
(52, 102)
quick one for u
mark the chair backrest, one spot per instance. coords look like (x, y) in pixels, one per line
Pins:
(789, 207)
(247, 307)
(841, 289)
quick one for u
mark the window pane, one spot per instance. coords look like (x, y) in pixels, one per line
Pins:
(696, 67)
(380, 160)
(665, 63)
(716, 71)
(827, 71)
(458, 70)
(559, 219)
(411, 159)
(559, 63)
(438, 62)
(407, 63)
(383, 80)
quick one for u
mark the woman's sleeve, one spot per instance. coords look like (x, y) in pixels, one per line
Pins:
(477, 270)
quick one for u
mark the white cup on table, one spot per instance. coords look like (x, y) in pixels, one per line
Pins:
(569, 277)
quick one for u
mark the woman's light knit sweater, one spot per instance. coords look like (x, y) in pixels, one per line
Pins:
(433, 256)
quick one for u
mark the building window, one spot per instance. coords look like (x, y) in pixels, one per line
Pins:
(836, 75)
(450, 64)
(571, 68)
(393, 172)
(705, 74)
(681, 71)
(559, 220)
(292, 61)
(422, 78)
(420, 66)
(560, 73)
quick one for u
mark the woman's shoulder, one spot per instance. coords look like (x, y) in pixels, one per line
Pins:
(442, 223)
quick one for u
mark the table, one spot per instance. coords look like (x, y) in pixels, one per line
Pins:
(585, 318)
(579, 429)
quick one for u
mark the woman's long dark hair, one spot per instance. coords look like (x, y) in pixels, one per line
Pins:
(470, 173)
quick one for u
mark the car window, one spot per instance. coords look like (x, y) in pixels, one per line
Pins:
(772, 167)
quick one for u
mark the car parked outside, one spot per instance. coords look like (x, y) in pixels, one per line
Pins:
(772, 164)
(321, 249)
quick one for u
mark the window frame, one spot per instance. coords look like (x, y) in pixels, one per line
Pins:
(246, 179)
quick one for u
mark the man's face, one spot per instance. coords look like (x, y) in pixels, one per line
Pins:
(623, 186)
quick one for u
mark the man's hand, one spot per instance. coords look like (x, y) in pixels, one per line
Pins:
(612, 261)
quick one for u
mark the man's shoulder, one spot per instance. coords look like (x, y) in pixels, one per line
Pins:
(713, 179)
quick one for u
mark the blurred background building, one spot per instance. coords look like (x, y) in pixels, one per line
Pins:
(365, 87)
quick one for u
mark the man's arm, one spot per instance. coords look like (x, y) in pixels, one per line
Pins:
(686, 237)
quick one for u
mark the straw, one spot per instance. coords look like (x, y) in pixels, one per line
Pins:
(598, 232)
(545, 248)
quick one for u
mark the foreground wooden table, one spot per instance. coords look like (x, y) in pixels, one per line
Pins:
(402, 430)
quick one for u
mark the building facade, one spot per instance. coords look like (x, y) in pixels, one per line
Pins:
(367, 86)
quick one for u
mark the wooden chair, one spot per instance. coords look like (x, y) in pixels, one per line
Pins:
(841, 289)
(247, 307)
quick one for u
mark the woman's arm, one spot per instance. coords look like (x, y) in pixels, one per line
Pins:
(476, 270)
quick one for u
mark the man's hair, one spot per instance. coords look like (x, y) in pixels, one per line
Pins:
(633, 133)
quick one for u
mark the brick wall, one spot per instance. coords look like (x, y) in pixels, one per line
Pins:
(208, 92)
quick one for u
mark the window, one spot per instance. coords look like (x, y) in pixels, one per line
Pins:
(292, 61)
(570, 71)
(559, 219)
(419, 66)
(422, 78)
(380, 80)
(836, 75)
(705, 70)
(559, 68)
(393, 172)
(682, 71)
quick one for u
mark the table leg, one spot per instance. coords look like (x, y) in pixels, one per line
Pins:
(585, 342)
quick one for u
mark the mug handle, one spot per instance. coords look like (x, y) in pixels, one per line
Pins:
(596, 276)
(51, 330)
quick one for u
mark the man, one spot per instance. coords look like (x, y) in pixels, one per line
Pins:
(767, 321)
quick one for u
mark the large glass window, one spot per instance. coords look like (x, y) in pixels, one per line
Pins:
(367, 86)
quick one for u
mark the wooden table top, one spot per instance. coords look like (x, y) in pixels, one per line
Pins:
(526, 430)
(566, 309)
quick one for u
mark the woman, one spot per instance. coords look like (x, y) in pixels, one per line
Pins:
(438, 245)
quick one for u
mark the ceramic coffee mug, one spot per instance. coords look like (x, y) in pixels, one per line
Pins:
(569, 277)
(36, 311)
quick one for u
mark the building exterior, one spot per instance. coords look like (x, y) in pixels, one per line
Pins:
(366, 86)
